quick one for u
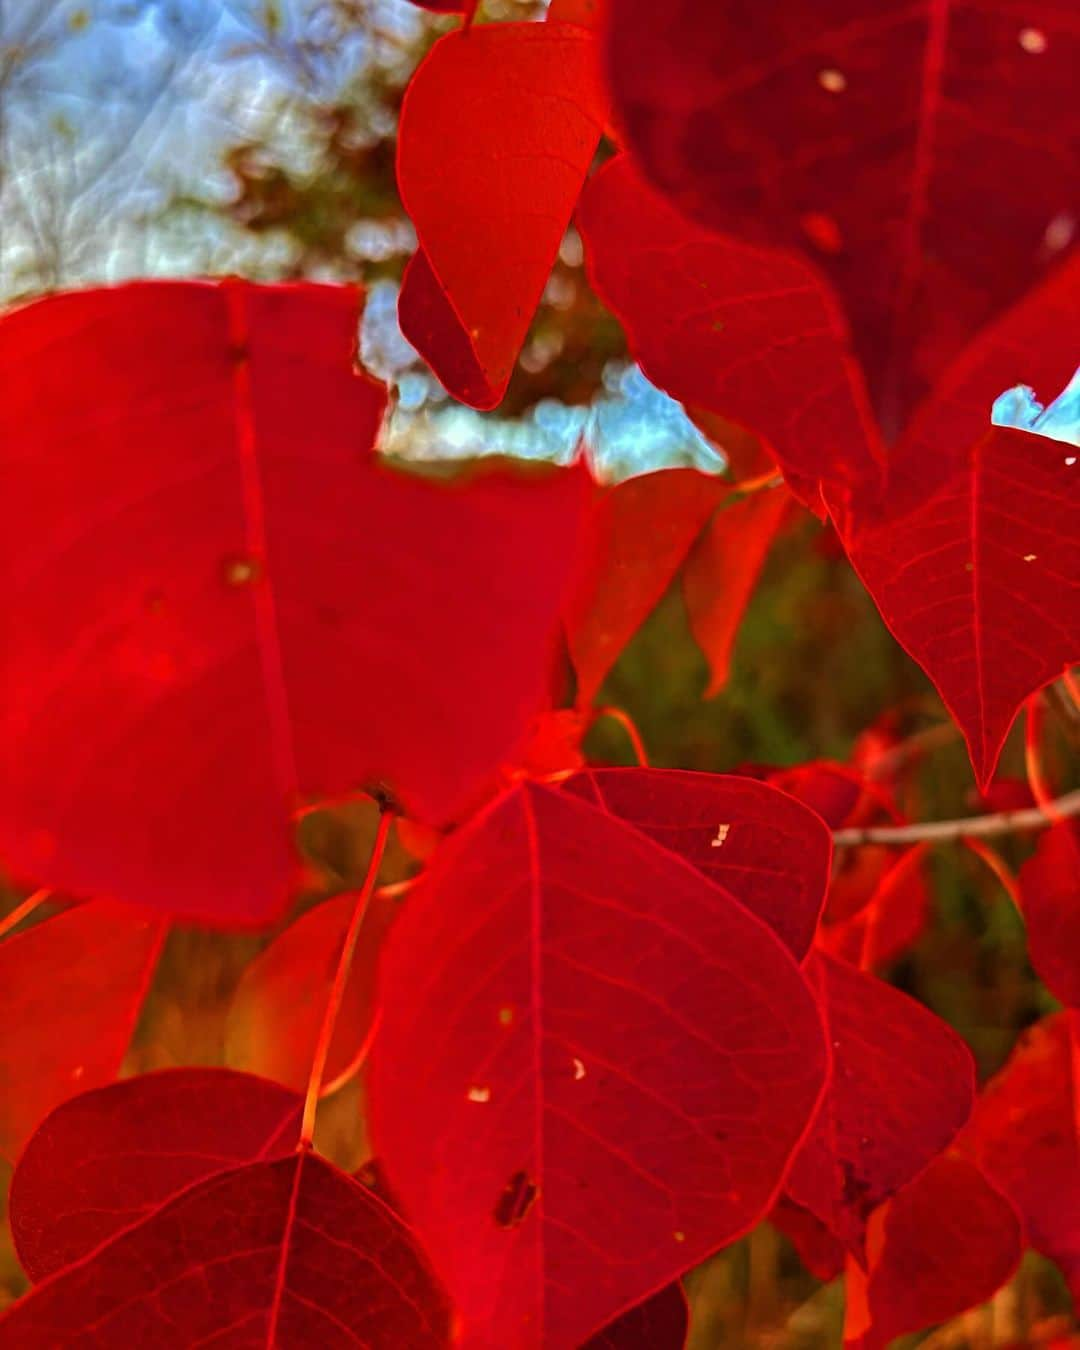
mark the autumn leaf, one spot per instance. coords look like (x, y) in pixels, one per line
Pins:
(73, 987)
(219, 598)
(546, 969)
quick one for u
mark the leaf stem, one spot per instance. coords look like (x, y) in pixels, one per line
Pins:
(22, 910)
(975, 827)
(341, 976)
(627, 723)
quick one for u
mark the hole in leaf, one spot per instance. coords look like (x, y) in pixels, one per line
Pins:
(832, 81)
(1032, 41)
(516, 1200)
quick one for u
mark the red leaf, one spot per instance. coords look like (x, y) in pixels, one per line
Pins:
(73, 986)
(760, 845)
(107, 1160)
(721, 573)
(561, 975)
(235, 600)
(498, 128)
(277, 1011)
(927, 154)
(660, 1323)
(1026, 1136)
(821, 1253)
(751, 333)
(902, 1085)
(1050, 900)
(941, 1245)
(890, 921)
(287, 1253)
(970, 556)
(638, 535)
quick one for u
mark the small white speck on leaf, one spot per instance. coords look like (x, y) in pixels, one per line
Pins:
(1059, 233)
(1032, 40)
(1029, 557)
(239, 571)
(722, 832)
(832, 81)
(579, 1069)
(479, 1094)
(1070, 460)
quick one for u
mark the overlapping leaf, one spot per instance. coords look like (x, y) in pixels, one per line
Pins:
(902, 1085)
(217, 596)
(106, 1160)
(561, 974)
(639, 533)
(970, 554)
(925, 154)
(758, 843)
(498, 128)
(1025, 1137)
(1050, 899)
(751, 333)
(660, 1323)
(722, 570)
(277, 1010)
(286, 1253)
(72, 989)
(944, 1243)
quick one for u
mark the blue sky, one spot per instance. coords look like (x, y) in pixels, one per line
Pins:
(125, 102)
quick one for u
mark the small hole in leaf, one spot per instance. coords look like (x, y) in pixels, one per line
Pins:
(722, 832)
(579, 1069)
(1032, 41)
(1029, 557)
(832, 81)
(516, 1200)
(1070, 460)
(478, 1094)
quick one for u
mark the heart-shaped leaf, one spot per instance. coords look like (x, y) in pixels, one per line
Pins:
(235, 600)
(558, 974)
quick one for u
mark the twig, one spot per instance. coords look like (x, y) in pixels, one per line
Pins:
(1003, 822)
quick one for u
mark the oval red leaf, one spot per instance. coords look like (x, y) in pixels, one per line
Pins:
(870, 135)
(498, 128)
(236, 600)
(1025, 1137)
(943, 1244)
(285, 1253)
(902, 1086)
(554, 976)
(276, 1013)
(107, 1160)
(769, 851)
(73, 986)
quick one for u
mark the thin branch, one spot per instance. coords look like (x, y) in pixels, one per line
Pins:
(974, 827)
